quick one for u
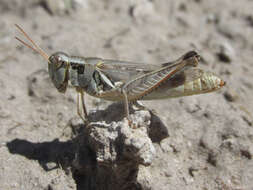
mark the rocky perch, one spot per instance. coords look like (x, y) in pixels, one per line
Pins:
(112, 155)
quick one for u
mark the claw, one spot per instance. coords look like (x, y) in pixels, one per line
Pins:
(131, 124)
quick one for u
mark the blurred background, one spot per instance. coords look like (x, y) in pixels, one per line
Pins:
(211, 136)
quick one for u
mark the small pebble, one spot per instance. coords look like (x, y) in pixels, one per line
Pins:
(231, 96)
(51, 165)
(226, 53)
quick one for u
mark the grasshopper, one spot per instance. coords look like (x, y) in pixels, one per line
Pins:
(126, 81)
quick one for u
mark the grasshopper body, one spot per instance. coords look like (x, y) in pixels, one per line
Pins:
(125, 81)
(107, 78)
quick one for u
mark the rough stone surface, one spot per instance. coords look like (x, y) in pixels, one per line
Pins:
(116, 151)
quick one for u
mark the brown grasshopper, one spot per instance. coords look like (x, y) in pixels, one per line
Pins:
(125, 81)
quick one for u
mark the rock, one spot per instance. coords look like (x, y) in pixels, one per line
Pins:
(226, 52)
(135, 144)
(143, 11)
(144, 177)
(231, 96)
(59, 7)
(111, 154)
(212, 18)
(50, 166)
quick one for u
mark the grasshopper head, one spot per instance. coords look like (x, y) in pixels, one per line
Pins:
(58, 66)
(58, 63)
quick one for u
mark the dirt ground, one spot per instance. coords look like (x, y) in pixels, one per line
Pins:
(210, 136)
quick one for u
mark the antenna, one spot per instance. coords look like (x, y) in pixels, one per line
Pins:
(36, 48)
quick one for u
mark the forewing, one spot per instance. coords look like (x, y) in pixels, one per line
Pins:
(147, 83)
(124, 71)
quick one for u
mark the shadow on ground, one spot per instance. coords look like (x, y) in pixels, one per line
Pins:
(79, 153)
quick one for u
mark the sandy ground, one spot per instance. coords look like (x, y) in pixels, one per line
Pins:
(210, 136)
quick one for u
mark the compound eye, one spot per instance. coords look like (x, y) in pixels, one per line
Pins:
(59, 61)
